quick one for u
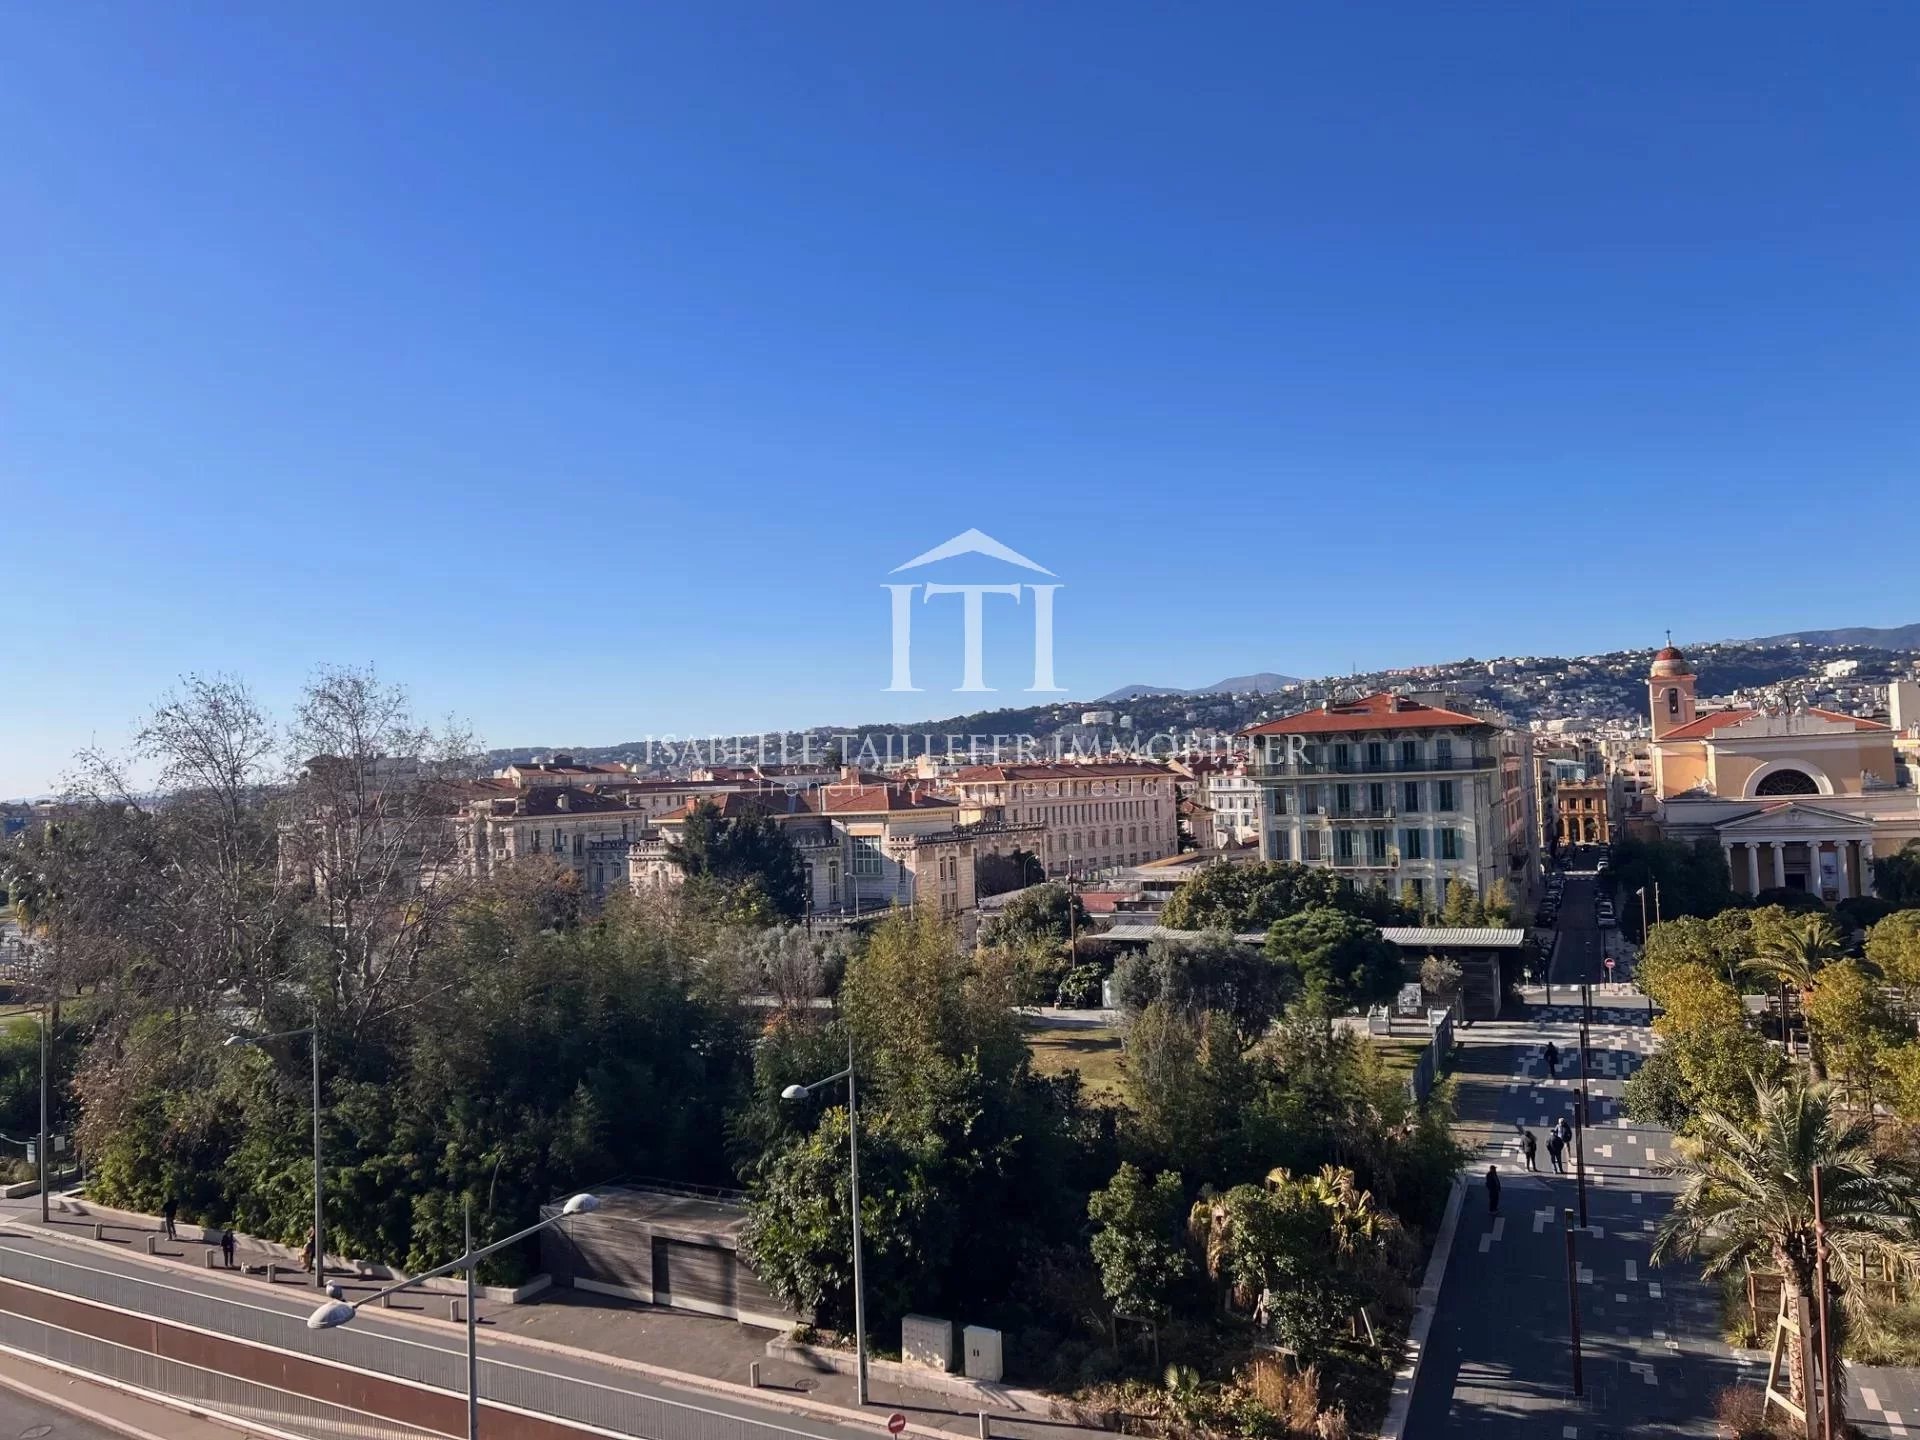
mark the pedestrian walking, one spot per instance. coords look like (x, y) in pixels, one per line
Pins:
(1493, 1190)
(1553, 1058)
(226, 1246)
(167, 1212)
(1528, 1147)
(1564, 1128)
(1554, 1147)
(306, 1254)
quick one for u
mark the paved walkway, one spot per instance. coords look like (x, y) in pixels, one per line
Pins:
(1498, 1358)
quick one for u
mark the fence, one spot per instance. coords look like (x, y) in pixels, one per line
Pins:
(1432, 1060)
(439, 1365)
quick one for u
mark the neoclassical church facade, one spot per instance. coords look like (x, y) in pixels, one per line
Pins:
(1800, 799)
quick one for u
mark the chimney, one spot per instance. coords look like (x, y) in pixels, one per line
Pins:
(849, 774)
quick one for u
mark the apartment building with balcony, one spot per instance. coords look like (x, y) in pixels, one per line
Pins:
(1400, 794)
(1085, 817)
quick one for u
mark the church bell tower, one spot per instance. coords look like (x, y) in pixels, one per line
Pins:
(1670, 696)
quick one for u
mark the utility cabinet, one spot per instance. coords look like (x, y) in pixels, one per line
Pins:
(927, 1341)
(982, 1354)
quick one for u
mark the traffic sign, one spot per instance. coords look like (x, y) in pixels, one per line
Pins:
(1609, 964)
(896, 1422)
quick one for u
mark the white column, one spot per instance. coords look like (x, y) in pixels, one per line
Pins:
(1726, 852)
(1753, 868)
(1840, 848)
(1779, 863)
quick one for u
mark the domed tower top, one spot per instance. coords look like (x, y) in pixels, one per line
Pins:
(1670, 685)
(1670, 661)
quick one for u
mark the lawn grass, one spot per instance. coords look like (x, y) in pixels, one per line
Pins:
(1094, 1053)
(1401, 1052)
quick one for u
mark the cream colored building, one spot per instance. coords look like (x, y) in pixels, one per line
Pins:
(1800, 799)
(1395, 792)
(867, 846)
(1078, 818)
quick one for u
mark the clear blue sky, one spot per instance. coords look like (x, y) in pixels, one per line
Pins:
(587, 368)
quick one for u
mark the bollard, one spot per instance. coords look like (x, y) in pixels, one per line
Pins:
(211, 1254)
(272, 1270)
(153, 1244)
(99, 1231)
(386, 1302)
(453, 1311)
(753, 1375)
(986, 1427)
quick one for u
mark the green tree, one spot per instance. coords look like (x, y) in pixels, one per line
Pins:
(1138, 1243)
(1793, 957)
(1301, 1255)
(741, 869)
(1747, 1198)
(1187, 1082)
(997, 874)
(961, 1123)
(1462, 906)
(1241, 898)
(1692, 879)
(1893, 945)
(1213, 972)
(1045, 915)
(1896, 877)
(1852, 1028)
(1710, 1055)
(1342, 960)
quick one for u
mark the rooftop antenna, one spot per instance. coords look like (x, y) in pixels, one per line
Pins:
(1669, 637)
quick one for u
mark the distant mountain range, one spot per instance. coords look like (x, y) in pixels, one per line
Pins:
(1898, 637)
(1261, 684)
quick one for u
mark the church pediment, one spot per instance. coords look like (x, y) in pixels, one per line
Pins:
(1810, 819)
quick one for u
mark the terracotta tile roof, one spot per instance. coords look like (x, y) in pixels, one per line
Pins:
(1382, 711)
(1704, 725)
(1102, 770)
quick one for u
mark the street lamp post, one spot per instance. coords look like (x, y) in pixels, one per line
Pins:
(312, 1033)
(336, 1313)
(800, 1092)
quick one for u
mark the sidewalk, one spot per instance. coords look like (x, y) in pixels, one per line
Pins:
(695, 1350)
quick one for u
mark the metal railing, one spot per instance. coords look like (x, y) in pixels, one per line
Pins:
(1430, 764)
(381, 1352)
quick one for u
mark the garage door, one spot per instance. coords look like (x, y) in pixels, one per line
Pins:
(699, 1277)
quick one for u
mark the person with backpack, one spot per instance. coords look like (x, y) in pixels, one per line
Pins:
(1555, 1148)
(1528, 1147)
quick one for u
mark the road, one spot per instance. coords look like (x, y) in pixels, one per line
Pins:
(1498, 1358)
(544, 1381)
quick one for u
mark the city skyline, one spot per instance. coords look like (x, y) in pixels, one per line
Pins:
(595, 376)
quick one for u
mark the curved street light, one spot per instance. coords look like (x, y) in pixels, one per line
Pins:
(338, 1312)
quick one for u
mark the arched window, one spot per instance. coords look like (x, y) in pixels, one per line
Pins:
(1788, 782)
(1673, 700)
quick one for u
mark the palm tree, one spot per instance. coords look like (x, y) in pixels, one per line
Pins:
(1794, 958)
(1748, 1199)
